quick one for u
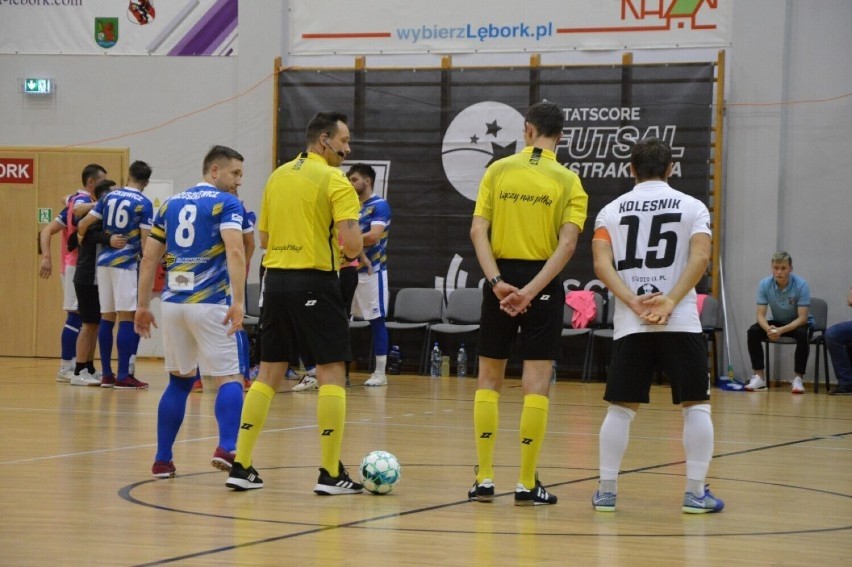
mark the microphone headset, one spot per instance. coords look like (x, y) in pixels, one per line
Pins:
(338, 152)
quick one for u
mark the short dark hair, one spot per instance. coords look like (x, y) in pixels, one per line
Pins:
(219, 153)
(547, 118)
(363, 170)
(323, 123)
(91, 171)
(140, 171)
(103, 186)
(650, 158)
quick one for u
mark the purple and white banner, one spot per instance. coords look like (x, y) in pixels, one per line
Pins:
(119, 27)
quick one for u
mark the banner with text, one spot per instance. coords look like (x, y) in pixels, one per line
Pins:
(116, 27)
(436, 132)
(449, 26)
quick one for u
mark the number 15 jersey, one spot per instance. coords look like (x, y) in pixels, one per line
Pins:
(650, 228)
(189, 224)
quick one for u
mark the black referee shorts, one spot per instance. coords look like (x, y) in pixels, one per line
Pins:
(540, 327)
(303, 312)
(635, 358)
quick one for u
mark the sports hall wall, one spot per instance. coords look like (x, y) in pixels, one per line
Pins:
(786, 130)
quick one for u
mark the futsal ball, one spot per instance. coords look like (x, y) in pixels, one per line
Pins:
(380, 471)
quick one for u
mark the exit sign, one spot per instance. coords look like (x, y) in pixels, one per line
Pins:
(38, 86)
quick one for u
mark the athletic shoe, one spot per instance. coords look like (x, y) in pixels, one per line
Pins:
(328, 485)
(307, 383)
(222, 459)
(254, 371)
(841, 390)
(107, 381)
(535, 497)
(64, 374)
(312, 372)
(377, 379)
(85, 378)
(603, 502)
(481, 491)
(198, 386)
(756, 384)
(130, 383)
(162, 469)
(798, 387)
(704, 505)
(241, 478)
(292, 375)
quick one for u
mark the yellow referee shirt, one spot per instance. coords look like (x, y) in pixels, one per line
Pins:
(302, 202)
(527, 198)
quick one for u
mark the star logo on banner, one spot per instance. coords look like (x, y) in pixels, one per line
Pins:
(474, 139)
(492, 128)
(502, 151)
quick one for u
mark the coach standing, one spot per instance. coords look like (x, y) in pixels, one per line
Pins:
(534, 209)
(307, 208)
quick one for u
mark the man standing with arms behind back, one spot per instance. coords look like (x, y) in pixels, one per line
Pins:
(307, 206)
(529, 212)
(655, 235)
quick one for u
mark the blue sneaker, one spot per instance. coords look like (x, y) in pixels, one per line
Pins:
(603, 502)
(292, 375)
(704, 505)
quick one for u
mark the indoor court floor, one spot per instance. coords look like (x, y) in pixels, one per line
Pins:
(77, 490)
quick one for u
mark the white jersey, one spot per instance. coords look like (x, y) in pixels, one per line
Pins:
(650, 228)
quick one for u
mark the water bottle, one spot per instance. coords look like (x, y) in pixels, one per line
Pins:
(461, 362)
(394, 360)
(435, 368)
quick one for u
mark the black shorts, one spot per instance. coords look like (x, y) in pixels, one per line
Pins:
(303, 312)
(348, 282)
(88, 303)
(540, 326)
(635, 358)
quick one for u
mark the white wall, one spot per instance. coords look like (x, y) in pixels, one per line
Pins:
(784, 177)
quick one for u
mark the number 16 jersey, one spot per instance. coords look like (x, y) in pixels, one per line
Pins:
(650, 228)
(189, 224)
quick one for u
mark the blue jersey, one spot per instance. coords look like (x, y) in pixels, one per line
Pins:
(189, 224)
(127, 212)
(375, 210)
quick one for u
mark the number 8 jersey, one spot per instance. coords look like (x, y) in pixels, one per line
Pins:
(649, 229)
(189, 224)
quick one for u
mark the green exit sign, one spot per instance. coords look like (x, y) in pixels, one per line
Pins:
(38, 86)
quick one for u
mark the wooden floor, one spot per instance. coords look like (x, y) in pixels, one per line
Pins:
(76, 486)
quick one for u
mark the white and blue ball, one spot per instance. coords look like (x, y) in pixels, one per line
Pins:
(380, 471)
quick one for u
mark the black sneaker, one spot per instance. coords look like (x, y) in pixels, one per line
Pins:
(341, 484)
(535, 497)
(241, 478)
(481, 491)
(841, 390)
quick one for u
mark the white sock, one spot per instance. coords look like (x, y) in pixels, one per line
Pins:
(614, 435)
(698, 445)
(380, 364)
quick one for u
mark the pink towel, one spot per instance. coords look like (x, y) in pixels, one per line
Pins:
(583, 304)
(700, 301)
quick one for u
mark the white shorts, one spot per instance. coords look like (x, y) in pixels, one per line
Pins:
(371, 296)
(117, 289)
(69, 294)
(194, 335)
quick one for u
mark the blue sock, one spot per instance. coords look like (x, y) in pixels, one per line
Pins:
(170, 415)
(243, 352)
(125, 340)
(70, 332)
(229, 407)
(105, 346)
(380, 336)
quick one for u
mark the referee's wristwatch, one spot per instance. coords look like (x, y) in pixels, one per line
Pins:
(495, 280)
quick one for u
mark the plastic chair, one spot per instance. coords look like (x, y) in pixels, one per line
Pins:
(416, 309)
(819, 310)
(464, 308)
(709, 317)
(569, 332)
(603, 330)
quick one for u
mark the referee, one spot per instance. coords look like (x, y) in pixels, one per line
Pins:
(308, 206)
(529, 212)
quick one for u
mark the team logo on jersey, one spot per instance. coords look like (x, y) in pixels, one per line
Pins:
(478, 136)
(169, 258)
(647, 288)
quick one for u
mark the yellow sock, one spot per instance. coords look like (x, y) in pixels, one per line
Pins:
(331, 415)
(485, 419)
(533, 428)
(255, 410)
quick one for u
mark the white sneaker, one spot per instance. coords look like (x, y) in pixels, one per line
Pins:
(798, 387)
(85, 378)
(377, 379)
(756, 384)
(64, 374)
(307, 383)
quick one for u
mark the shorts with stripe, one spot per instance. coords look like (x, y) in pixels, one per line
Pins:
(540, 327)
(635, 358)
(371, 295)
(303, 311)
